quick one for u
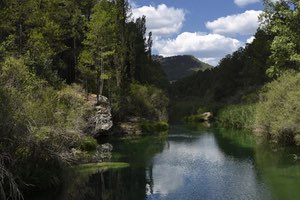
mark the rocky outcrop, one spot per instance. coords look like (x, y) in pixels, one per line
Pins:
(207, 116)
(204, 117)
(130, 126)
(101, 119)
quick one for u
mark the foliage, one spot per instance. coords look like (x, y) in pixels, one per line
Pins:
(94, 167)
(282, 18)
(237, 116)
(179, 109)
(154, 127)
(45, 45)
(8, 180)
(154, 75)
(198, 115)
(194, 118)
(278, 112)
(38, 124)
(235, 76)
(88, 144)
(99, 44)
(147, 102)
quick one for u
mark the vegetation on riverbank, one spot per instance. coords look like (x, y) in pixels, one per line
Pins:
(237, 116)
(253, 88)
(94, 167)
(279, 111)
(50, 50)
(40, 126)
(52, 54)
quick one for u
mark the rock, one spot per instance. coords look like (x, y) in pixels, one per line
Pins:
(207, 116)
(105, 147)
(101, 119)
(131, 128)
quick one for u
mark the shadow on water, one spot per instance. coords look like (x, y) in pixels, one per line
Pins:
(236, 143)
(280, 168)
(191, 162)
(108, 185)
(277, 166)
(114, 184)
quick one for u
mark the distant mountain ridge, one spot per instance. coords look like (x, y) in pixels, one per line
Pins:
(177, 67)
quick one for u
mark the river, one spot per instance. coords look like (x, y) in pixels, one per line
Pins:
(191, 163)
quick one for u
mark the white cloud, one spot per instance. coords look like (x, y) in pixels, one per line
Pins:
(242, 3)
(132, 4)
(243, 24)
(250, 40)
(210, 47)
(214, 61)
(161, 20)
(274, 1)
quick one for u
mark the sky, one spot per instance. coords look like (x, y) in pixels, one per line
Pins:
(206, 29)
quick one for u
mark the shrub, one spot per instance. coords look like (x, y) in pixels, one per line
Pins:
(237, 116)
(39, 125)
(150, 127)
(147, 101)
(278, 113)
(88, 143)
(185, 108)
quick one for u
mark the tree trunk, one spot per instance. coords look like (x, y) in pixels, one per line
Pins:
(101, 78)
(75, 60)
(20, 39)
(98, 85)
(86, 88)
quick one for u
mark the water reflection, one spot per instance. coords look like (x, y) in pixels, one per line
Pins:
(191, 163)
(196, 168)
(280, 170)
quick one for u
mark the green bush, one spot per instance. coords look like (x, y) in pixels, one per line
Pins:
(278, 113)
(150, 127)
(185, 108)
(89, 144)
(39, 125)
(147, 102)
(237, 116)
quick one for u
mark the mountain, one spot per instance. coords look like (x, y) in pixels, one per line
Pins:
(177, 67)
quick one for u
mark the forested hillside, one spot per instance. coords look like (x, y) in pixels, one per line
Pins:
(257, 86)
(236, 75)
(177, 67)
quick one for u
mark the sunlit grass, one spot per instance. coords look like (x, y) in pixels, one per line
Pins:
(103, 166)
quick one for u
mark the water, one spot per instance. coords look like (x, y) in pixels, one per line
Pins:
(191, 163)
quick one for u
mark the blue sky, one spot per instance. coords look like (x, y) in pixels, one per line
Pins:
(207, 29)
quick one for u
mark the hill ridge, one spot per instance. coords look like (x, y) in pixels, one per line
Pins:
(180, 66)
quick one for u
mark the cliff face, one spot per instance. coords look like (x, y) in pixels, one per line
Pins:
(101, 119)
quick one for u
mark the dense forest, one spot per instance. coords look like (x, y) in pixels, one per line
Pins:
(256, 87)
(54, 53)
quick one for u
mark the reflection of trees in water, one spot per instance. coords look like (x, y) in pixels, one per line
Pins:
(235, 143)
(125, 184)
(279, 169)
(119, 184)
(274, 166)
(149, 178)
